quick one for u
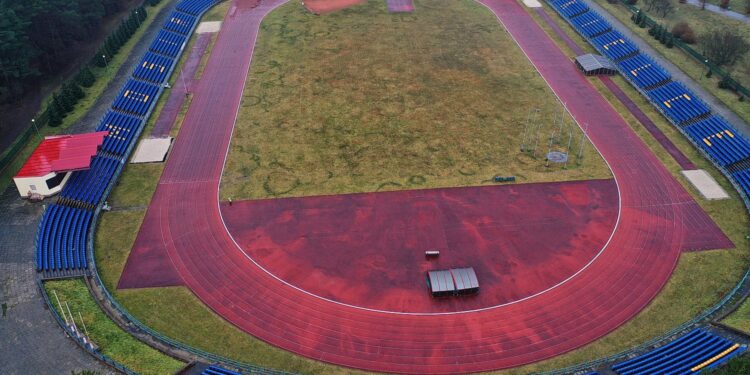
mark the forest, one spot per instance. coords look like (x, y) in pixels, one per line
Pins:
(37, 38)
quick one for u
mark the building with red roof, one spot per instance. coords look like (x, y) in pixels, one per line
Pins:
(52, 162)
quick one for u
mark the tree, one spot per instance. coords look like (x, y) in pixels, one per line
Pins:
(724, 47)
(703, 4)
(747, 7)
(85, 77)
(663, 8)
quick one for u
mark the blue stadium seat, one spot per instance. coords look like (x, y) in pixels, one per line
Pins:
(720, 140)
(168, 43)
(698, 348)
(614, 45)
(644, 72)
(678, 103)
(153, 68)
(591, 24)
(179, 22)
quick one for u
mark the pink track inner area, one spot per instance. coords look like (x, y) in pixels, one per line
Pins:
(367, 250)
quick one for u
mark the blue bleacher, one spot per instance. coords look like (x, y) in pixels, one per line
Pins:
(136, 97)
(644, 72)
(167, 43)
(677, 357)
(720, 140)
(743, 179)
(122, 128)
(218, 370)
(679, 103)
(591, 24)
(88, 186)
(194, 7)
(179, 22)
(63, 230)
(570, 8)
(153, 68)
(614, 45)
(63, 243)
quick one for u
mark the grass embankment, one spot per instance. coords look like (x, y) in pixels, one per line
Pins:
(701, 22)
(103, 78)
(362, 100)
(112, 341)
(740, 319)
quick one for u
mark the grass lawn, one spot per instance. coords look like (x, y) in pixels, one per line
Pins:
(701, 22)
(740, 319)
(700, 278)
(112, 341)
(363, 100)
(103, 77)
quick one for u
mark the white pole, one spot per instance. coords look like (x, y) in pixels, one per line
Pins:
(84, 324)
(71, 317)
(61, 308)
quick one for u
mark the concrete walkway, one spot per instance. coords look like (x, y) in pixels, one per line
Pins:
(677, 74)
(724, 12)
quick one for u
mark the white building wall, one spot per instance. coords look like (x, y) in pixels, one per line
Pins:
(28, 186)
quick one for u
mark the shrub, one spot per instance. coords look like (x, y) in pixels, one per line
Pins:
(724, 4)
(684, 32)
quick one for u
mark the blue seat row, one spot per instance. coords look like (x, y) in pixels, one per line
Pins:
(136, 97)
(167, 43)
(194, 7)
(743, 179)
(180, 22)
(570, 8)
(122, 128)
(89, 185)
(590, 24)
(720, 140)
(677, 357)
(644, 72)
(61, 245)
(218, 370)
(614, 45)
(678, 102)
(153, 68)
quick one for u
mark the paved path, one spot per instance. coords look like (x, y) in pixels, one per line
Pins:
(658, 219)
(633, 108)
(32, 341)
(719, 10)
(717, 105)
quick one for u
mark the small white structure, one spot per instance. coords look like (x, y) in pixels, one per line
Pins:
(532, 3)
(152, 150)
(705, 184)
(50, 165)
(208, 27)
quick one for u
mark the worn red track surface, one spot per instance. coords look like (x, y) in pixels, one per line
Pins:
(657, 219)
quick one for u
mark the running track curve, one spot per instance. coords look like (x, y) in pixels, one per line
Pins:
(185, 218)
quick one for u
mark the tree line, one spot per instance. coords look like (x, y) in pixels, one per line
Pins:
(37, 38)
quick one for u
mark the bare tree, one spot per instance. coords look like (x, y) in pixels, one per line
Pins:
(724, 47)
(663, 7)
(703, 4)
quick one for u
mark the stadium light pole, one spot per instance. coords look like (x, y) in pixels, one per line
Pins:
(106, 65)
(33, 123)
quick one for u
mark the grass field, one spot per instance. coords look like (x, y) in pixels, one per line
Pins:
(701, 22)
(112, 341)
(700, 279)
(362, 100)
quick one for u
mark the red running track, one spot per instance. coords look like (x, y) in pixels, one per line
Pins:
(657, 217)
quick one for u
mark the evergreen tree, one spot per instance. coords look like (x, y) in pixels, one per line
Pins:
(54, 119)
(86, 77)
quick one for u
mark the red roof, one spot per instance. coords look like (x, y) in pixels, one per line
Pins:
(62, 153)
